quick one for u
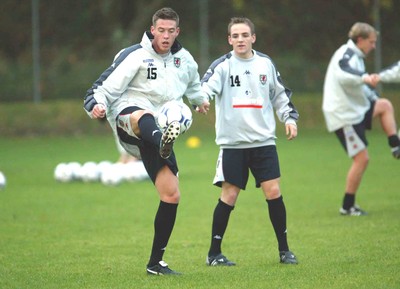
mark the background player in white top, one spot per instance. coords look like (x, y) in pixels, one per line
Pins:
(349, 104)
(247, 89)
(141, 79)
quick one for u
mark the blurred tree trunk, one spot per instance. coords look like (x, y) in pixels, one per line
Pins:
(144, 10)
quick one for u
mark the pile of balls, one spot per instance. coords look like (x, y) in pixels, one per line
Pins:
(106, 172)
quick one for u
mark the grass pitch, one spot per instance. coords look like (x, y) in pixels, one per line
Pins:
(86, 235)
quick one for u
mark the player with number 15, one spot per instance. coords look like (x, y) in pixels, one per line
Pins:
(141, 79)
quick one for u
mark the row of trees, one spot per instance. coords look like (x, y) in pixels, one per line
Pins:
(78, 38)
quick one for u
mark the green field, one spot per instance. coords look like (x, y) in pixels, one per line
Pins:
(80, 235)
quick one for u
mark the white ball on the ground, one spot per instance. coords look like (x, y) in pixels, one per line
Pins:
(141, 173)
(90, 172)
(129, 171)
(112, 175)
(135, 171)
(76, 169)
(3, 181)
(63, 173)
(103, 165)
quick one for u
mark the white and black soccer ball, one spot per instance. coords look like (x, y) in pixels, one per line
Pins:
(3, 181)
(175, 111)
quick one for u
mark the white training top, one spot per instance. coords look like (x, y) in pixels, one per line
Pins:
(141, 77)
(346, 97)
(246, 92)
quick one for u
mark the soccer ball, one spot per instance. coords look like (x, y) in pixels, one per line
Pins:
(76, 169)
(2, 181)
(103, 166)
(90, 172)
(135, 171)
(63, 173)
(112, 175)
(175, 111)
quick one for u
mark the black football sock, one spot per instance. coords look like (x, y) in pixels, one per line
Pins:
(149, 130)
(220, 222)
(163, 225)
(277, 215)
(348, 201)
(393, 141)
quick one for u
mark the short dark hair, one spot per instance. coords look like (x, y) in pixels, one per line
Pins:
(244, 20)
(165, 13)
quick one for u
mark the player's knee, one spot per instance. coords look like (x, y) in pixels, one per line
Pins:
(385, 105)
(171, 197)
(136, 115)
(176, 198)
(229, 193)
(274, 192)
(134, 120)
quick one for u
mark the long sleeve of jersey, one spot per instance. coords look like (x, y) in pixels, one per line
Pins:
(391, 73)
(280, 98)
(118, 81)
(193, 92)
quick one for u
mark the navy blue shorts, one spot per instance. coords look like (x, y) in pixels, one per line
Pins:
(149, 153)
(233, 166)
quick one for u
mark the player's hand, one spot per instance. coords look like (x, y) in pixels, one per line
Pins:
(291, 131)
(203, 108)
(371, 79)
(99, 111)
(376, 79)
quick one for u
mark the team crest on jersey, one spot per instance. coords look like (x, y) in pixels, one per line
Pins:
(177, 62)
(263, 79)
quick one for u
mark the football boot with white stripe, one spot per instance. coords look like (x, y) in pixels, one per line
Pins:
(161, 269)
(287, 257)
(396, 152)
(219, 260)
(353, 211)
